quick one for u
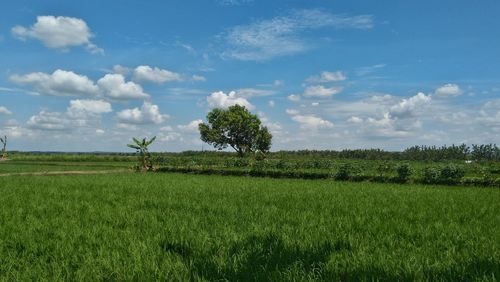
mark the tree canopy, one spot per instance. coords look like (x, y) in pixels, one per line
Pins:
(235, 127)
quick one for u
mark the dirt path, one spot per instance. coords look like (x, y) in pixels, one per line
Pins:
(67, 172)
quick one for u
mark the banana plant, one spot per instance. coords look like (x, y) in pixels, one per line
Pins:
(141, 147)
(4, 152)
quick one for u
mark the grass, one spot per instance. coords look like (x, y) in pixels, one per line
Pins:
(193, 227)
(14, 166)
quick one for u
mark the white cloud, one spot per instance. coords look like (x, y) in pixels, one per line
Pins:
(449, 90)
(198, 78)
(355, 119)
(271, 104)
(327, 76)
(369, 69)
(114, 86)
(401, 119)
(156, 75)
(253, 92)
(90, 106)
(292, 111)
(147, 114)
(80, 113)
(58, 33)
(46, 120)
(233, 2)
(4, 111)
(407, 107)
(490, 114)
(191, 127)
(321, 91)
(100, 131)
(278, 83)
(59, 83)
(185, 91)
(294, 98)
(314, 104)
(221, 100)
(267, 39)
(311, 122)
(121, 69)
(170, 137)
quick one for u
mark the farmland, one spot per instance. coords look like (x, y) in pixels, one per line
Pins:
(169, 226)
(179, 227)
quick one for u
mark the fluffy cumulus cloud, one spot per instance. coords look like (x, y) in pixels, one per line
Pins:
(191, 127)
(59, 83)
(90, 106)
(267, 39)
(147, 114)
(156, 75)
(311, 122)
(68, 83)
(80, 113)
(4, 111)
(401, 119)
(407, 107)
(449, 90)
(58, 32)
(222, 100)
(321, 92)
(308, 121)
(115, 87)
(327, 76)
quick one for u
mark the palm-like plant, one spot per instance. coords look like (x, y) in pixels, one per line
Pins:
(4, 152)
(145, 162)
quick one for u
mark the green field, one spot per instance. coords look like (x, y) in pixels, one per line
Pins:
(47, 166)
(165, 226)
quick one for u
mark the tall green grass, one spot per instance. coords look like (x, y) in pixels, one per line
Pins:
(190, 227)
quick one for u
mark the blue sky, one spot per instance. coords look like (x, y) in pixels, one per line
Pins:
(89, 75)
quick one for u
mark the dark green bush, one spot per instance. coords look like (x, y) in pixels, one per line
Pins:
(431, 175)
(451, 174)
(404, 171)
(344, 172)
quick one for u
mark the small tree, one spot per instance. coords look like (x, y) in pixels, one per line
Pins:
(238, 128)
(145, 162)
(4, 151)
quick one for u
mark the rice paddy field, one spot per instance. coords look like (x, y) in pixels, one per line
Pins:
(127, 226)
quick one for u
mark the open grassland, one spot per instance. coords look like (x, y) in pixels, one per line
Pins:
(190, 227)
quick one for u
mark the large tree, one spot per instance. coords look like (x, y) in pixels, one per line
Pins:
(235, 127)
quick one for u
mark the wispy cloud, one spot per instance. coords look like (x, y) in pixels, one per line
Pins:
(281, 36)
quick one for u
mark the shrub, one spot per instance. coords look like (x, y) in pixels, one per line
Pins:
(451, 174)
(431, 175)
(404, 171)
(344, 172)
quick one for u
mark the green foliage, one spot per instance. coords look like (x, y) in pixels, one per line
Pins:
(451, 174)
(235, 127)
(431, 175)
(404, 171)
(141, 147)
(173, 227)
(446, 174)
(344, 172)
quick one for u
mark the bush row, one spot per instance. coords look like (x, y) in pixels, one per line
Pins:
(448, 174)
